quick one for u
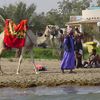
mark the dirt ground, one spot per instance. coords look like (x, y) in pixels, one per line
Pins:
(51, 77)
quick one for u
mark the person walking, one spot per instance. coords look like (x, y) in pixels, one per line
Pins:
(68, 60)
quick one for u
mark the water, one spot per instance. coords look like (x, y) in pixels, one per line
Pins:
(47, 93)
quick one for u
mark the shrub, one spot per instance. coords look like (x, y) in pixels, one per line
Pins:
(42, 53)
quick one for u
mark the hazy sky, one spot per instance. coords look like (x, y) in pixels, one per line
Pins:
(42, 5)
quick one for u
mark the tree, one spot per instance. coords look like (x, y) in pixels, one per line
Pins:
(23, 12)
(39, 22)
(72, 7)
(98, 3)
(55, 18)
(18, 12)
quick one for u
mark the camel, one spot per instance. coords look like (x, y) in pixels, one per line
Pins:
(31, 41)
(56, 39)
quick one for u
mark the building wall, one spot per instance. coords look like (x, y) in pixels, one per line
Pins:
(91, 14)
(88, 21)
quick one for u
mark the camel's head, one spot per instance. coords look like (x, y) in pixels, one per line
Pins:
(51, 30)
(62, 31)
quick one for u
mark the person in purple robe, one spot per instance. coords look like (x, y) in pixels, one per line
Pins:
(68, 60)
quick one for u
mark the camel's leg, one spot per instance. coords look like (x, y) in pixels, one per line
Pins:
(33, 62)
(18, 52)
(20, 61)
(1, 68)
(1, 50)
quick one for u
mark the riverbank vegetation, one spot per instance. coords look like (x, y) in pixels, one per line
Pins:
(42, 53)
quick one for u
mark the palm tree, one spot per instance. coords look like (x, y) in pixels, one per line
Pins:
(18, 12)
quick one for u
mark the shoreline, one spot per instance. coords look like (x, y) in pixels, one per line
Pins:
(50, 78)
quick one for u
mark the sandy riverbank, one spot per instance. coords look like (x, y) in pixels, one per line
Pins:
(51, 77)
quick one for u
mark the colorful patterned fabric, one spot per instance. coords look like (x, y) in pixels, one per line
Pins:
(14, 35)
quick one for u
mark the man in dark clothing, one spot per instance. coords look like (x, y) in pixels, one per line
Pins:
(78, 48)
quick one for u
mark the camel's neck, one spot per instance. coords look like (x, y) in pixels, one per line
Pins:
(44, 38)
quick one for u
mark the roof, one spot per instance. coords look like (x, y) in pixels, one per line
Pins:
(94, 8)
(83, 21)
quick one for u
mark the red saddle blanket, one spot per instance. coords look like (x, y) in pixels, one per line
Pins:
(14, 42)
(14, 35)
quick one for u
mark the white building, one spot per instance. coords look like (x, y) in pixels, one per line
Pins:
(92, 14)
(90, 17)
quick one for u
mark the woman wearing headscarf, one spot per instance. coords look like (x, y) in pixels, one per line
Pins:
(68, 61)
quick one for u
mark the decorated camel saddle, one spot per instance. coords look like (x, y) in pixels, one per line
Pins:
(14, 35)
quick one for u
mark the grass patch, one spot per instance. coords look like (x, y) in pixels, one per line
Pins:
(41, 53)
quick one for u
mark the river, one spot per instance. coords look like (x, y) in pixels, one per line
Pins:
(51, 93)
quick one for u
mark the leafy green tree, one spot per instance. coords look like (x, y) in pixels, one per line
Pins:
(23, 12)
(98, 2)
(55, 18)
(72, 7)
(39, 22)
(18, 12)
(7, 12)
